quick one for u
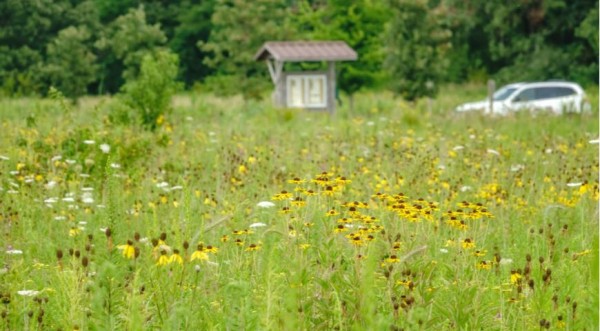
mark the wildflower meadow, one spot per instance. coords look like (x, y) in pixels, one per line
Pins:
(232, 215)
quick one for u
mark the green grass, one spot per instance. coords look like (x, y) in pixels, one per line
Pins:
(199, 178)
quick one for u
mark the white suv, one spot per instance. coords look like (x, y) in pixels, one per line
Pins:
(557, 97)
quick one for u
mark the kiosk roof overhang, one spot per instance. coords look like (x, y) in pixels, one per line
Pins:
(306, 51)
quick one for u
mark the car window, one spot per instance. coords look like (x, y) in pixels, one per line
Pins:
(545, 93)
(503, 93)
(525, 95)
(563, 92)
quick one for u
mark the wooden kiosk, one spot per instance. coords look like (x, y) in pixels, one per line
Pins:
(314, 90)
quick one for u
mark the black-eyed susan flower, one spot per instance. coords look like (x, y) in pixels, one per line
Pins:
(242, 232)
(343, 180)
(467, 243)
(356, 240)
(224, 238)
(340, 228)
(176, 257)
(515, 277)
(344, 220)
(332, 212)
(283, 195)
(329, 190)
(484, 265)
(298, 202)
(199, 254)
(407, 283)
(253, 247)
(309, 193)
(296, 181)
(211, 249)
(74, 231)
(392, 259)
(285, 210)
(163, 259)
(128, 249)
(480, 253)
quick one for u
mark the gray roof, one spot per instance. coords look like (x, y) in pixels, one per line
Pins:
(300, 51)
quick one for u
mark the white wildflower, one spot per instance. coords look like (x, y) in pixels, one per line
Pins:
(265, 204)
(28, 293)
(50, 185)
(257, 225)
(89, 142)
(13, 251)
(105, 148)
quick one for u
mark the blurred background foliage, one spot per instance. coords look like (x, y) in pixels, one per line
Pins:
(93, 47)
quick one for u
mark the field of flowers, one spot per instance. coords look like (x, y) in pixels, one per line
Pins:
(237, 216)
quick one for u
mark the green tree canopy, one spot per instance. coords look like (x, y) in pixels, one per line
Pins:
(70, 64)
(416, 46)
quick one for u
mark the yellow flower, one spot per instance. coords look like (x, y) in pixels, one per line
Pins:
(296, 181)
(515, 277)
(304, 246)
(332, 212)
(128, 250)
(283, 195)
(392, 259)
(356, 240)
(405, 282)
(480, 252)
(163, 259)
(298, 202)
(253, 247)
(199, 255)
(74, 231)
(484, 265)
(211, 249)
(176, 258)
(343, 180)
(467, 243)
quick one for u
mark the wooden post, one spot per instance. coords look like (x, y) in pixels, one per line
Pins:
(491, 84)
(331, 86)
(275, 71)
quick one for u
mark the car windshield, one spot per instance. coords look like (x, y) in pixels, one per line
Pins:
(503, 93)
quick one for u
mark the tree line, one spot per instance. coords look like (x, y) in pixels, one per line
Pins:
(409, 46)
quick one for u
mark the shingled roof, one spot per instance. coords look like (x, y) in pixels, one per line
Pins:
(300, 51)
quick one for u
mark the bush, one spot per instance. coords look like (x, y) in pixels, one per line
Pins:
(150, 93)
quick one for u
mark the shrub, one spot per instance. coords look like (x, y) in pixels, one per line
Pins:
(150, 93)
